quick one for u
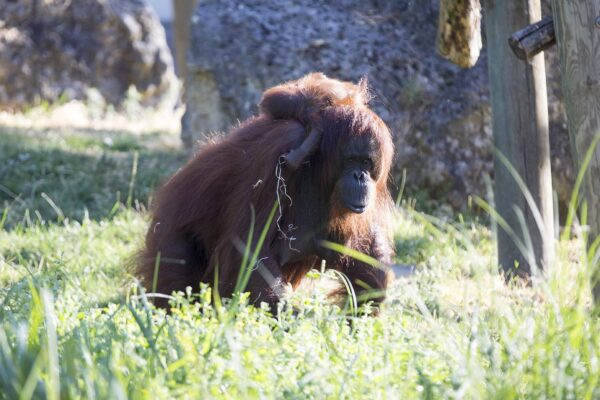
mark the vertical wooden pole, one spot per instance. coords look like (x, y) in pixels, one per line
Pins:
(520, 127)
(183, 11)
(577, 26)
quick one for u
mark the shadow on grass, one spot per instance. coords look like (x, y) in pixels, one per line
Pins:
(46, 176)
(413, 249)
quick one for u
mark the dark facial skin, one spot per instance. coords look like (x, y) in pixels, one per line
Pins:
(356, 185)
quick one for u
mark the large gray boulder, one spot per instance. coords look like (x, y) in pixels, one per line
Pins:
(59, 49)
(439, 113)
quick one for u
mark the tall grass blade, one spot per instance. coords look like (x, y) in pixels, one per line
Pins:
(239, 286)
(53, 383)
(155, 276)
(357, 255)
(533, 207)
(215, 288)
(402, 186)
(593, 255)
(146, 329)
(530, 254)
(4, 217)
(36, 315)
(352, 301)
(574, 201)
(60, 216)
(247, 269)
(502, 223)
(134, 170)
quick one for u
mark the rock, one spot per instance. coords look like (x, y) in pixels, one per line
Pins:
(439, 113)
(58, 49)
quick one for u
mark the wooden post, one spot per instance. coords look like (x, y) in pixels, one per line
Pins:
(533, 39)
(183, 11)
(577, 26)
(520, 127)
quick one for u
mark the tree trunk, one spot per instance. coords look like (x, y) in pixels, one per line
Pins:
(577, 26)
(520, 127)
(459, 31)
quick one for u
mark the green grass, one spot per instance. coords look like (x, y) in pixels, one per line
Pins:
(48, 176)
(71, 325)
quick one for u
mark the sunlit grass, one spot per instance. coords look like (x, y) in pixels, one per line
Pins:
(74, 325)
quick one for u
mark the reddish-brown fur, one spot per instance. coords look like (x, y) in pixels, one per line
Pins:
(202, 215)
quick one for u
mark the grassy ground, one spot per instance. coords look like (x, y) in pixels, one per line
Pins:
(72, 210)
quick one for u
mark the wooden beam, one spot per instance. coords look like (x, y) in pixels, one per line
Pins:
(459, 31)
(520, 129)
(577, 25)
(182, 14)
(533, 39)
